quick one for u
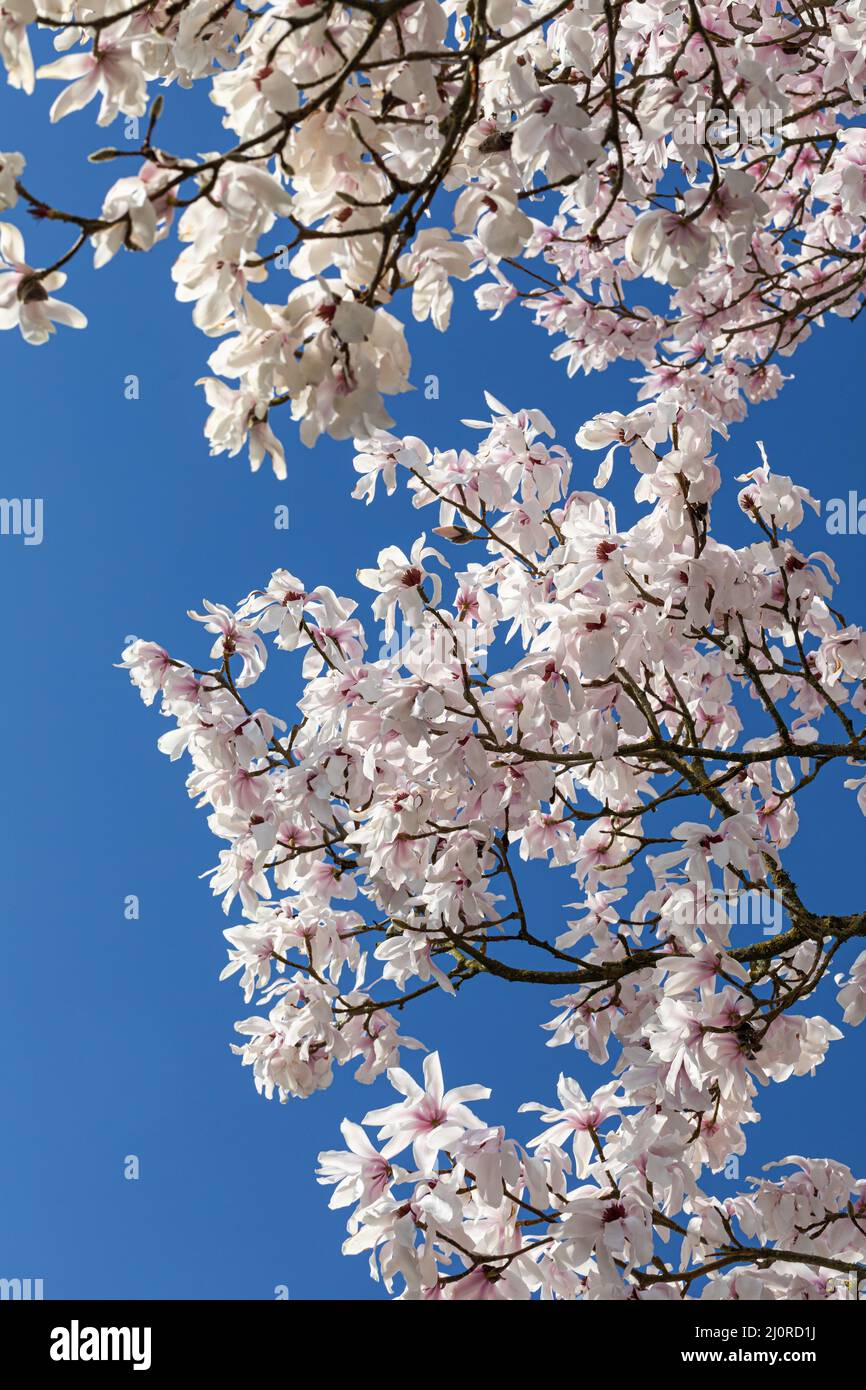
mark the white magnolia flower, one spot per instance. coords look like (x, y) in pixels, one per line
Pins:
(26, 299)
(669, 247)
(400, 579)
(11, 168)
(128, 205)
(429, 1118)
(114, 74)
(852, 995)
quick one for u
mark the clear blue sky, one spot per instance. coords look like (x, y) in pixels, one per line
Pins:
(116, 1034)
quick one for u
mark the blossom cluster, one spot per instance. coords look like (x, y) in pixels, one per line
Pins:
(374, 849)
(553, 153)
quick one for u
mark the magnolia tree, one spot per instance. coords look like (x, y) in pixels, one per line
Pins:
(666, 696)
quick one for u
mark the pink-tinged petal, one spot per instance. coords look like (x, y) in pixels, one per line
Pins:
(461, 1093)
(36, 327)
(557, 1134)
(65, 313)
(358, 1140)
(384, 1114)
(75, 97)
(604, 472)
(72, 65)
(12, 245)
(433, 1079)
(404, 1083)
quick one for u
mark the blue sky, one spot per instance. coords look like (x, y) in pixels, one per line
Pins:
(116, 1033)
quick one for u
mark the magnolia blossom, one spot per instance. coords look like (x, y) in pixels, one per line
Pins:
(400, 581)
(669, 248)
(132, 215)
(11, 168)
(113, 73)
(361, 1175)
(579, 1119)
(234, 638)
(430, 1118)
(26, 301)
(852, 995)
(15, 18)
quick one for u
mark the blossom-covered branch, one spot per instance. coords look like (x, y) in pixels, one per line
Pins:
(566, 154)
(672, 698)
